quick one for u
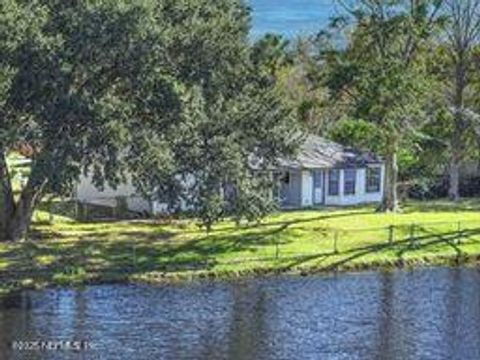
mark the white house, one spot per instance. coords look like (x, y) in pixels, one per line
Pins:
(323, 173)
(327, 173)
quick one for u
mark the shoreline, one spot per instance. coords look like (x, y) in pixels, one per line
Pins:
(185, 278)
(65, 252)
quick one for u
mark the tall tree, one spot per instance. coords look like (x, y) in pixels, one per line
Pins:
(158, 90)
(380, 71)
(461, 45)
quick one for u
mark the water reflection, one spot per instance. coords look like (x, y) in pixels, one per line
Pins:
(428, 314)
(247, 330)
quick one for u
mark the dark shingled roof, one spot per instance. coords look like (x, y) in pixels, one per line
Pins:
(317, 153)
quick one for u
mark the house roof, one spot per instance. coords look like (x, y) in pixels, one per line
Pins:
(317, 153)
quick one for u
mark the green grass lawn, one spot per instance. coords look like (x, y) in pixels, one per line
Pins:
(67, 251)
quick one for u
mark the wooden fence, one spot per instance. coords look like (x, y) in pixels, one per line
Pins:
(411, 234)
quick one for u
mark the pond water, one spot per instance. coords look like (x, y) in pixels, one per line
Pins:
(427, 314)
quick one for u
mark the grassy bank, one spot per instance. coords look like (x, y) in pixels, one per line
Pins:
(67, 251)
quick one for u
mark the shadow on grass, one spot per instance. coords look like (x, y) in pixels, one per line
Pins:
(103, 214)
(99, 256)
(287, 223)
(402, 247)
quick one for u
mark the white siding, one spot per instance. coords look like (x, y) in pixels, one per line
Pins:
(86, 192)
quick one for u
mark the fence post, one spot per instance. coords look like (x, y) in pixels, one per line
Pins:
(335, 242)
(391, 234)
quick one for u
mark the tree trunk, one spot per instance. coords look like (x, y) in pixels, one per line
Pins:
(456, 156)
(7, 201)
(454, 177)
(19, 222)
(390, 197)
(457, 141)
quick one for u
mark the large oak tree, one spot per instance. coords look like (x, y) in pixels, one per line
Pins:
(162, 90)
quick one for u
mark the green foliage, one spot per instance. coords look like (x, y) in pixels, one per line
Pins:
(300, 84)
(381, 70)
(271, 53)
(359, 134)
(381, 73)
(163, 91)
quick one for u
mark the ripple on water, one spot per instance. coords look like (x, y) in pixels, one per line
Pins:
(427, 314)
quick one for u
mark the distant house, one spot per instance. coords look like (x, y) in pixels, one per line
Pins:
(327, 173)
(323, 173)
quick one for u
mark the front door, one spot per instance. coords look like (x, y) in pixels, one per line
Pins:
(318, 187)
(291, 189)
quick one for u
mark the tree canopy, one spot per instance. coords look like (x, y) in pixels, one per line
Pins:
(160, 91)
(380, 72)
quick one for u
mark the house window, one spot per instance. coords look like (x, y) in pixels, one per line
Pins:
(350, 177)
(286, 178)
(373, 180)
(333, 182)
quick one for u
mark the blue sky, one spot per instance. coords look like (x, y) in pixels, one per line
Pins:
(290, 17)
